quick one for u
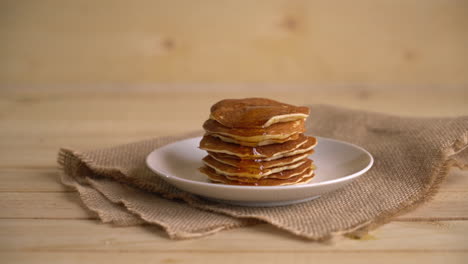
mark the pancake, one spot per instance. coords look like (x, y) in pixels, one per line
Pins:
(258, 163)
(267, 153)
(255, 112)
(298, 179)
(256, 144)
(280, 131)
(282, 171)
(283, 175)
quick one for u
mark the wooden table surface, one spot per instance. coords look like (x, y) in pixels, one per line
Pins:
(41, 221)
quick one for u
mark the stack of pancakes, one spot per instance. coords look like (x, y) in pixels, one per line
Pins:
(257, 141)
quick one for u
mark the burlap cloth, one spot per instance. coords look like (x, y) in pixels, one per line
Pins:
(412, 157)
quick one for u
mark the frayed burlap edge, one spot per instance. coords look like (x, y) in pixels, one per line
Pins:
(87, 193)
(440, 171)
(81, 184)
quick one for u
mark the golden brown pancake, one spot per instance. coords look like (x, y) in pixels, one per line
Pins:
(255, 112)
(257, 141)
(258, 163)
(282, 171)
(255, 144)
(277, 133)
(279, 130)
(283, 175)
(298, 179)
(268, 152)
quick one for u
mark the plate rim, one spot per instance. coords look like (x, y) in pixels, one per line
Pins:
(236, 187)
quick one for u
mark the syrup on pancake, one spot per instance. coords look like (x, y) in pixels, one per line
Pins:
(257, 142)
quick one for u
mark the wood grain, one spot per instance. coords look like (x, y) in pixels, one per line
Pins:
(42, 221)
(427, 257)
(25, 235)
(38, 194)
(35, 123)
(287, 41)
(34, 180)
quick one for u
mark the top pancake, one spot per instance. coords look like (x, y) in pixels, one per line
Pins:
(255, 112)
(276, 131)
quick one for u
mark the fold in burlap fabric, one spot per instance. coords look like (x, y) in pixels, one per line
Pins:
(412, 157)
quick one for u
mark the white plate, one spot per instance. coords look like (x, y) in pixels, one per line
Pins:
(338, 163)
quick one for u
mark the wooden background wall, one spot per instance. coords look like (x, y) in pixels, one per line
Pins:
(388, 42)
